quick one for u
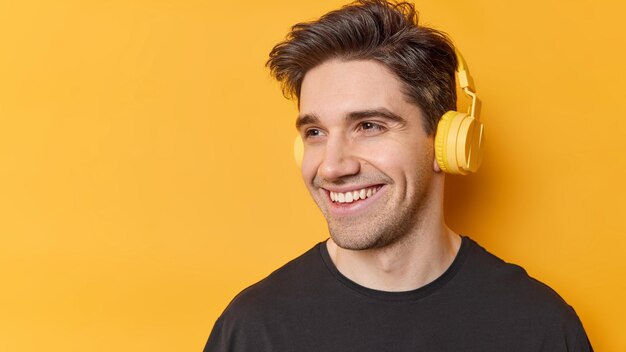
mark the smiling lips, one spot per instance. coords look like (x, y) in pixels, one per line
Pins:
(352, 196)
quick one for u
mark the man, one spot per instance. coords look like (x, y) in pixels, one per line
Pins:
(372, 87)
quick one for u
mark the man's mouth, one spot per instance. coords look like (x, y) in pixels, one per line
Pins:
(354, 195)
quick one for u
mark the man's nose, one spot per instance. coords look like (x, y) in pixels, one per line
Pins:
(338, 160)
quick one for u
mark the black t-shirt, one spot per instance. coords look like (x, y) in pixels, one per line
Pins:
(480, 303)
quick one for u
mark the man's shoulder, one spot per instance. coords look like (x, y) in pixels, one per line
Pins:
(509, 287)
(284, 284)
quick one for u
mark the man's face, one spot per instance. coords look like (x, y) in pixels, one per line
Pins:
(368, 163)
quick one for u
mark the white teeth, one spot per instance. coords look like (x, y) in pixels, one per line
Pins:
(349, 197)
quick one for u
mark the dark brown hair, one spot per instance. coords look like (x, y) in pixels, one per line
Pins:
(423, 58)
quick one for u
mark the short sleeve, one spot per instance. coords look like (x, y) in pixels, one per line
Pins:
(217, 342)
(582, 341)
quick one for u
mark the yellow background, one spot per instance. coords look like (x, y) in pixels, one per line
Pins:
(146, 171)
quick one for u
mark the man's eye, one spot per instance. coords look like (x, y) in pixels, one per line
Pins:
(312, 132)
(371, 126)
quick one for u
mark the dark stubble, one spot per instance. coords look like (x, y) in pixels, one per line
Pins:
(387, 226)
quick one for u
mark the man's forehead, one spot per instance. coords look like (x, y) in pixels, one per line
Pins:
(345, 78)
(351, 89)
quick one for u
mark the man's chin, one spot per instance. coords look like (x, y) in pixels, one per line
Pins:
(353, 240)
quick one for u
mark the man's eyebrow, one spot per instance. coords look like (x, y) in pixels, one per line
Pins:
(378, 112)
(307, 119)
(310, 119)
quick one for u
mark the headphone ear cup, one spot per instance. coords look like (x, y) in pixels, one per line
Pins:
(441, 141)
(298, 150)
(458, 143)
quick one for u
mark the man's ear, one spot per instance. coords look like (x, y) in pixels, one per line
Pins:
(436, 167)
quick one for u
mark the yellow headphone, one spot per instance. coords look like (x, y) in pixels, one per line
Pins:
(459, 137)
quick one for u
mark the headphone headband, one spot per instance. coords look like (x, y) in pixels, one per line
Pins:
(465, 82)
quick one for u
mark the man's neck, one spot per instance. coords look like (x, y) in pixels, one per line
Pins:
(408, 264)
